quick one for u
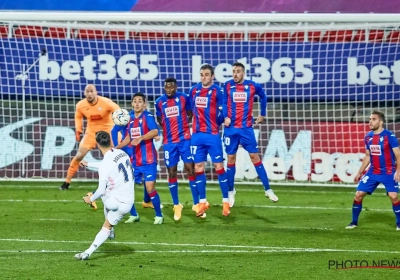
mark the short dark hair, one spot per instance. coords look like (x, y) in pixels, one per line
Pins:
(207, 67)
(170, 80)
(103, 139)
(139, 94)
(239, 64)
(380, 114)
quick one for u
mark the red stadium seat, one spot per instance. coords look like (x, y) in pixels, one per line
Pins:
(3, 31)
(115, 35)
(236, 36)
(213, 36)
(253, 36)
(338, 36)
(56, 32)
(180, 35)
(90, 34)
(373, 36)
(313, 36)
(150, 35)
(29, 31)
(274, 36)
(393, 37)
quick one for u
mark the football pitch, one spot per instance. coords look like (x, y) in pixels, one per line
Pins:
(303, 236)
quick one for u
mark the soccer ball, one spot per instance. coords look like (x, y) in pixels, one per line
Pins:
(121, 117)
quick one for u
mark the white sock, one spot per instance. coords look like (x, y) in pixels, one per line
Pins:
(100, 238)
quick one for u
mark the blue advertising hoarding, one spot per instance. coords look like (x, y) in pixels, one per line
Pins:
(287, 71)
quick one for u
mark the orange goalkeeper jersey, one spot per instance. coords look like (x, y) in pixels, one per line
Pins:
(98, 115)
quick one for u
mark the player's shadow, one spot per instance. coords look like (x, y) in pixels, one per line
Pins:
(113, 250)
(380, 218)
(250, 212)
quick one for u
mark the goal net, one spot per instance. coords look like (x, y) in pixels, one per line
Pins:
(323, 74)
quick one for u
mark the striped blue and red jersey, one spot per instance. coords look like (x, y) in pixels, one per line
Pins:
(145, 152)
(239, 100)
(206, 104)
(173, 112)
(380, 146)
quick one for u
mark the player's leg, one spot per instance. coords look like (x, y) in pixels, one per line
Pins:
(171, 158)
(88, 142)
(150, 176)
(231, 141)
(133, 215)
(116, 210)
(112, 233)
(391, 187)
(367, 185)
(214, 148)
(185, 152)
(249, 143)
(199, 155)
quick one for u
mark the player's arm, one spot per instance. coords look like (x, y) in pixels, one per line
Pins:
(188, 108)
(158, 113)
(364, 165)
(227, 120)
(78, 123)
(220, 101)
(114, 133)
(124, 142)
(263, 103)
(101, 189)
(394, 144)
(112, 106)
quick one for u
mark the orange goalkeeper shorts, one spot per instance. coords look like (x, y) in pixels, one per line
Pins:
(89, 140)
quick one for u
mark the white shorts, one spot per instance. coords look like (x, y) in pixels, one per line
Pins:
(116, 209)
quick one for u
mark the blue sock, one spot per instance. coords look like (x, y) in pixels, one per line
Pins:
(396, 210)
(146, 197)
(356, 210)
(262, 174)
(201, 182)
(194, 189)
(230, 171)
(133, 211)
(223, 182)
(173, 189)
(155, 198)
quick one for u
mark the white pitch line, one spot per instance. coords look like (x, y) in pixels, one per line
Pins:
(237, 206)
(164, 251)
(58, 220)
(254, 248)
(260, 190)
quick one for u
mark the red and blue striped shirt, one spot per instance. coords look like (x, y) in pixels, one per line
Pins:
(145, 152)
(174, 117)
(380, 146)
(239, 100)
(205, 107)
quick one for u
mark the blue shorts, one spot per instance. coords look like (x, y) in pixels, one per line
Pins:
(148, 172)
(172, 152)
(204, 144)
(369, 182)
(244, 136)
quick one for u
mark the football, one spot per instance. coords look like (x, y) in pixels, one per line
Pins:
(121, 117)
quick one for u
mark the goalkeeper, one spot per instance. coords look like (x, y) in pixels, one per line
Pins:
(97, 110)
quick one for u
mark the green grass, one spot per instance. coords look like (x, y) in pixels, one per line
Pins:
(42, 228)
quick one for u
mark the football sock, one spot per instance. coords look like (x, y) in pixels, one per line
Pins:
(230, 171)
(396, 210)
(155, 198)
(262, 174)
(173, 189)
(201, 185)
(223, 184)
(73, 167)
(100, 238)
(356, 210)
(194, 189)
(146, 197)
(133, 211)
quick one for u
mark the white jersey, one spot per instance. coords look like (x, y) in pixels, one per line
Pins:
(116, 170)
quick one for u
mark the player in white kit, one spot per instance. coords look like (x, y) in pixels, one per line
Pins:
(116, 188)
